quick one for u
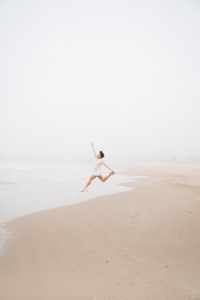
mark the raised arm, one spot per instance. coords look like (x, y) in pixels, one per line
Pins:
(93, 149)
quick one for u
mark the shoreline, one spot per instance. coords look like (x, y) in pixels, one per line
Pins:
(141, 244)
(36, 195)
(114, 187)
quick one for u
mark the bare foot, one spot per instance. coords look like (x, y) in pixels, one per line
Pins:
(84, 190)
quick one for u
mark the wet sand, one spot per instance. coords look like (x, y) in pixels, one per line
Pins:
(140, 244)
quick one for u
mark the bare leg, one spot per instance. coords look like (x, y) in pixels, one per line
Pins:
(88, 183)
(103, 179)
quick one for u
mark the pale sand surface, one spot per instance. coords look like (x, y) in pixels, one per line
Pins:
(143, 244)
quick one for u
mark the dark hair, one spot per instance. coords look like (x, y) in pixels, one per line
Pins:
(101, 154)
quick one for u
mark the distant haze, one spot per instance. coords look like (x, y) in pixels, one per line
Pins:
(123, 74)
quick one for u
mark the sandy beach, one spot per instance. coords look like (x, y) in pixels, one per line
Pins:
(143, 244)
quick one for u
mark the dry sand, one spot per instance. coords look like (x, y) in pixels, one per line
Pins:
(143, 244)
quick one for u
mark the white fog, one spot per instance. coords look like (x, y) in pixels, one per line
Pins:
(123, 74)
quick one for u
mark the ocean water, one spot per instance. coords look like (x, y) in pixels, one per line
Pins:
(27, 188)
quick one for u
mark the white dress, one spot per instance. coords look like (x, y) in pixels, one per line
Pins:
(98, 167)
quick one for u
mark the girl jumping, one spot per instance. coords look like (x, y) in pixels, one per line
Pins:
(98, 169)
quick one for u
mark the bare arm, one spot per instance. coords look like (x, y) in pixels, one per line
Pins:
(93, 149)
(108, 167)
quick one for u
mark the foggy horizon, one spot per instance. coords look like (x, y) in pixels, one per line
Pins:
(124, 75)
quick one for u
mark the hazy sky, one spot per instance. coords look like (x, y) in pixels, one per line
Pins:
(123, 74)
